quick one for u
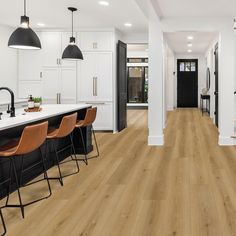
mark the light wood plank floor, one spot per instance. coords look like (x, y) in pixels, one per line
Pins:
(185, 188)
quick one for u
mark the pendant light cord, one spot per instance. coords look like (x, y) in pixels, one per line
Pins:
(72, 24)
(24, 7)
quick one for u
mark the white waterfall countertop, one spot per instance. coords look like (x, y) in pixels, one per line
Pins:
(48, 111)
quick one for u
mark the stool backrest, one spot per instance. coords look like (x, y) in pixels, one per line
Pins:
(90, 116)
(67, 125)
(32, 138)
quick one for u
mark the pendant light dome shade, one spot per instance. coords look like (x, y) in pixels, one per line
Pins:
(72, 51)
(24, 37)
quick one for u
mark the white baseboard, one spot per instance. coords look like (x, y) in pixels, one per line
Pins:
(156, 140)
(226, 141)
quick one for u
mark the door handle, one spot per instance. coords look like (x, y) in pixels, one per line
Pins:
(94, 86)
(41, 75)
(216, 93)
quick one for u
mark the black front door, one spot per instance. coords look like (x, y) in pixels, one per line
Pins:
(216, 93)
(187, 83)
(122, 85)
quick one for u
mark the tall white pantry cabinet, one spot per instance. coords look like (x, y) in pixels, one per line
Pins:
(44, 73)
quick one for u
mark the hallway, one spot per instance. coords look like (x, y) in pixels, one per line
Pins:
(186, 187)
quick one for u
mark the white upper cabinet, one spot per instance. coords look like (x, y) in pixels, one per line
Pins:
(96, 41)
(95, 77)
(86, 78)
(103, 71)
(51, 48)
(29, 64)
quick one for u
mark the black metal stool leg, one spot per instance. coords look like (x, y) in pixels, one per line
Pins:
(84, 147)
(58, 165)
(45, 173)
(9, 187)
(18, 188)
(3, 223)
(73, 150)
(96, 144)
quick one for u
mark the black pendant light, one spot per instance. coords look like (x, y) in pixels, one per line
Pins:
(24, 37)
(72, 52)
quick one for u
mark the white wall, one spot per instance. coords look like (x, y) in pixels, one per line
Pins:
(137, 54)
(8, 64)
(202, 66)
(135, 38)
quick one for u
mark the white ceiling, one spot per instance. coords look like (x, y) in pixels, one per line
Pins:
(54, 14)
(178, 41)
(197, 8)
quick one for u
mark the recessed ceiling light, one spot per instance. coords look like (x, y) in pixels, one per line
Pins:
(40, 24)
(104, 3)
(128, 24)
(189, 51)
(190, 45)
(190, 37)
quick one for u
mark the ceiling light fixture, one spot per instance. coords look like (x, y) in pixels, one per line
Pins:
(104, 3)
(189, 51)
(128, 24)
(190, 45)
(190, 37)
(40, 24)
(72, 51)
(24, 37)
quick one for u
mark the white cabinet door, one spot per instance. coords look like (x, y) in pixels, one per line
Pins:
(50, 84)
(65, 42)
(27, 88)
(68, 85)
(104, 89)
(30, 65)
(104, 119)
(96, 41)
(51, 48)
(86, 78)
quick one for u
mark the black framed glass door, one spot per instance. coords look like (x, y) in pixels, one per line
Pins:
(137, 84)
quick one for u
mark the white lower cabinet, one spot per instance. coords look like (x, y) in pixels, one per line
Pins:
(59, 80)
(104, 119)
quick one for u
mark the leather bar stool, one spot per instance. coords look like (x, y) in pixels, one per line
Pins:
(90, 117)
(65, 129)
(32, 139)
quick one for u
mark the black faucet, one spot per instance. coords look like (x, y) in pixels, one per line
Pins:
(12, 109)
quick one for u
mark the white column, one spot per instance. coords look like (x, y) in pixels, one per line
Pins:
(156, 108)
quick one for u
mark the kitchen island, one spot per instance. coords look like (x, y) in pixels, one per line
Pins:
(12, 127)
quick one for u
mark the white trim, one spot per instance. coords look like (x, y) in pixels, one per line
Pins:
(156, 140)
(226, 141)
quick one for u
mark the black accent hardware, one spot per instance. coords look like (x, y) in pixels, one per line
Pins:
(12, 109)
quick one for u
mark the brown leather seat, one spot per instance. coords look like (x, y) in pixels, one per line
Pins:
(89, 119)
(28, 141)
(31, 139)
(66, 127)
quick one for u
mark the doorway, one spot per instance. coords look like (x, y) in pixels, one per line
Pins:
(187, 83)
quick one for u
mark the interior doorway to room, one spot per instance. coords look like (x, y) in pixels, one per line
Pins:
(137, 76)
(216, 93)
(187, 83)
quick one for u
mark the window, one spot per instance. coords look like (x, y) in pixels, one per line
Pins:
(187, 67)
